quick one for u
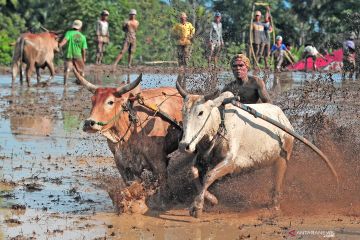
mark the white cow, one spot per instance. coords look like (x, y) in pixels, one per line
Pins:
(236, 140)
(246, 141)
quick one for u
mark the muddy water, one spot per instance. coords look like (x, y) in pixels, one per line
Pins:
(54, 173)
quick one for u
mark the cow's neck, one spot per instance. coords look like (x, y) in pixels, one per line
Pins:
(120, 129)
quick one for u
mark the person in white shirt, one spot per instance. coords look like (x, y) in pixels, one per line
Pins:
(102, 35)
(216, 41)
(311, 51)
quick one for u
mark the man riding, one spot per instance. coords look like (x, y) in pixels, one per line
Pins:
(130, 27)
(250, 89)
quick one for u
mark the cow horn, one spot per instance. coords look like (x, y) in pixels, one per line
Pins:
(91, 87)
(182, 91)
(211, 96)
(45, 29)
(130, 86)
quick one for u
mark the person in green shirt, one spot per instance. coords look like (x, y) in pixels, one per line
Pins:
(75, 54)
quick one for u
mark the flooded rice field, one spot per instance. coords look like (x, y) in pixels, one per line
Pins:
(55, 178)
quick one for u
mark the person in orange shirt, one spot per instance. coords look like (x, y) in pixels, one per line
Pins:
(184, 33)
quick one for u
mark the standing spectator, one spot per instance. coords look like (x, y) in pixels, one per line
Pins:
(184, 32)
(75, 55)
(216, 41)
(102, 35)
(130, 27)
(261, 37)
(349, 56)
(312, 52)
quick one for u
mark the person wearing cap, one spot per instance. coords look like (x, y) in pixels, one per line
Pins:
(184, 33)
(76, 46)
(279, 50)
(261, 39)
(250, 89)
(349, 56)
(311, 52)
(216, 41)
(102, 35)
(129, 27)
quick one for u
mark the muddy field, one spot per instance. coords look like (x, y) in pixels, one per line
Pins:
(56, 179)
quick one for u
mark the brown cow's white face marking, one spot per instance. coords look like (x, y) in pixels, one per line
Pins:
(105, 107)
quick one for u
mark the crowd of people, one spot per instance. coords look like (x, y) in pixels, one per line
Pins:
(183, 34)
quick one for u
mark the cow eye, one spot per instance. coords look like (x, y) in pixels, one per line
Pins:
(110, 102)
(201, 113)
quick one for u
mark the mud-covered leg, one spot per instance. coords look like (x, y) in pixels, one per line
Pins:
(14, 71)
(225, 167)
(21, 74)
(38, 77)
(208, 196)
(52, 71)
(280, 169)
(29, 69)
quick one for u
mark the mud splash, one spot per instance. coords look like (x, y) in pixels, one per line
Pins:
(61, 175)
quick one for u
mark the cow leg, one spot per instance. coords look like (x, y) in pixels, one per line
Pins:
(280, 169)
(208, 196)
(14, 71)
(29, 69)
(38, 77)
(225, 167)
(21, 74)
(52, 70)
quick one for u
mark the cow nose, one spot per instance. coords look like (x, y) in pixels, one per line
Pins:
(88, 124)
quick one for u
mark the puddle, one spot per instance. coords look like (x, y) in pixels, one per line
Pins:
(49, 165)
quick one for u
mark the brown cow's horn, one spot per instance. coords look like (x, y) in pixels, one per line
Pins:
(91, 87)
(45, 29)
(130, 86)
(182, 91)
(211, 96)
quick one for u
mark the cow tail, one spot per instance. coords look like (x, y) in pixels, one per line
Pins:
(22, 43)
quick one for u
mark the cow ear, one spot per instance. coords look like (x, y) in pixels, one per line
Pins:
(220, 99)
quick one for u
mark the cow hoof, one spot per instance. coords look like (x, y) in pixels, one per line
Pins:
(196, 212)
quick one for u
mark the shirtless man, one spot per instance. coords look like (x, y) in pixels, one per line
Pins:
(129, 28)
(250, 89)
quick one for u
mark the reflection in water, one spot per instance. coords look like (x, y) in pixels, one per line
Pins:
(25, 127)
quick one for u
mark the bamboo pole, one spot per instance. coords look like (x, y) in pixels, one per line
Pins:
(252, 53)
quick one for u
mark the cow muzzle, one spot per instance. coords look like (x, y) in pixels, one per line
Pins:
(90, 126)
(185, 147)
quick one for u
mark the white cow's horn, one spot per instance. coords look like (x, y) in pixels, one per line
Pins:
(182, 91)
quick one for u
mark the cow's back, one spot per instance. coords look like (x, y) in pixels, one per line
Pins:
(39, 47)
(253, 140)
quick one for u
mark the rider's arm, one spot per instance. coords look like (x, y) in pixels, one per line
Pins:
(264, 95)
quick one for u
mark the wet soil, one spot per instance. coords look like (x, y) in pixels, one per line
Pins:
(55, 178)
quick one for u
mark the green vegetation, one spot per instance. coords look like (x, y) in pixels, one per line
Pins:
(323, 22)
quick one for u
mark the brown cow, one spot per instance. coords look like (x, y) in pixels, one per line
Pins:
(37, 51)
(139, 139)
